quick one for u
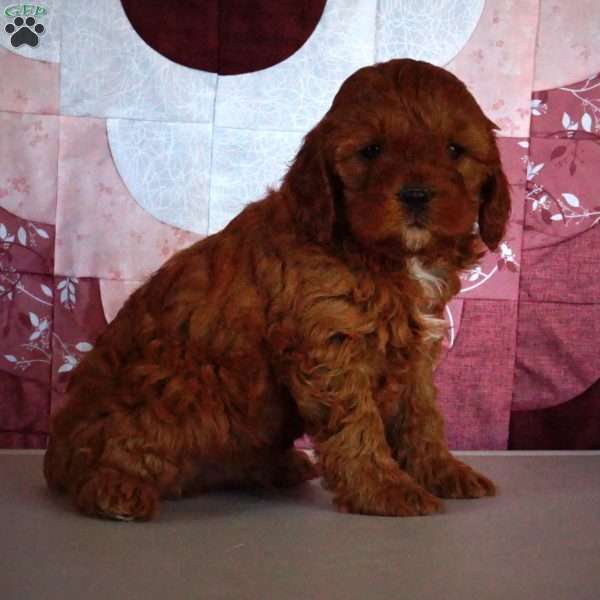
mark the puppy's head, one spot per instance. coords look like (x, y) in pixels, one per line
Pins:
(403, 161)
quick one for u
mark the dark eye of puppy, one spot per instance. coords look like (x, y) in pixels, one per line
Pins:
(455, 150)
(371, 151)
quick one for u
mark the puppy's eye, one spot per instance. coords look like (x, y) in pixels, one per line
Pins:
(370, 152)
(455, 151)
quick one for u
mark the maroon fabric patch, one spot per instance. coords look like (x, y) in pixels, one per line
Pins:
(187, 33)
(475, 379)
(573, 425)
(24, 408)
(228, 37)
(562, 171)
(256, 35)
(513, 153)
(78, 321)
(25, 352)
(25, 246)
(42, 340)
(26, 301)
(24, 441)
(26, 264)
(26, 326)
(562, 189)
(47, 324)
(557, 353)
(563, 272)
(565, 109)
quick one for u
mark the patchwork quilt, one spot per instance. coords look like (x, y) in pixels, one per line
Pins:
(131, 128)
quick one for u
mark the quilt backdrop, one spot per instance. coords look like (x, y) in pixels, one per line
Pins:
(131, 128)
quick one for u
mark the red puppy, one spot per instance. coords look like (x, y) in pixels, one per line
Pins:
(318, 309)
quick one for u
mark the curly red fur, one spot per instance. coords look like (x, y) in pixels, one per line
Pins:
(318, 309)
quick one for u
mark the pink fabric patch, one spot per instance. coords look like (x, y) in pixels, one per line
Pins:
(113, 295)
(503, 45)
(28, 86)
(101, 230)
(28, 165)
(568, 45)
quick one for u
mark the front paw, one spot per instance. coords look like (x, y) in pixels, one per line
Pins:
(394, 500)
(454, 479)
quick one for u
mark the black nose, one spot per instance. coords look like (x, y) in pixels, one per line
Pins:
(415, 196)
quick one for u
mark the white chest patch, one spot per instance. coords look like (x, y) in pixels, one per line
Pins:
(433, 285)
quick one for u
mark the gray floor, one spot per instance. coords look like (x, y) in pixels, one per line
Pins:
(540, 539)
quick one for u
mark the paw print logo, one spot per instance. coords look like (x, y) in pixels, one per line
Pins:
(24, 31)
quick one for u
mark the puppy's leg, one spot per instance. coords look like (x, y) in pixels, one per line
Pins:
(111, 466)
(348, 432)
(126, 480)
(418, 443)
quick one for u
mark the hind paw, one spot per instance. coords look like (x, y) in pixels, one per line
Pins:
(114, 495)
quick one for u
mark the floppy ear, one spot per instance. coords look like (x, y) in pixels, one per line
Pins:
(309, 187)
(494, 209)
